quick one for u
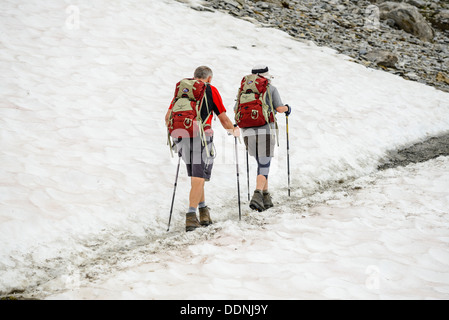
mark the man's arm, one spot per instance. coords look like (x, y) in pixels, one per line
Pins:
(277, 102)
(228, 125)
(220, 110)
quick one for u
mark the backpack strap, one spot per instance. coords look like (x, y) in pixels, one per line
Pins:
(202, 132)
(170, 142)
(272, 112)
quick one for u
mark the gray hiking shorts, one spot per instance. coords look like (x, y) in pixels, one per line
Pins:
(259, 142)
(199, 161)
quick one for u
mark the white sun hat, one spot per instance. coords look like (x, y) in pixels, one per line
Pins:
(262, 70)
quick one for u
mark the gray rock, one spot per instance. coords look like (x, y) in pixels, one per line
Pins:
(232, 3)
(407, 18)
(417, 3)
(383, 58)
(441, 20)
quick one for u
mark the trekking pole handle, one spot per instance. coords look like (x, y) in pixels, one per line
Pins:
(235, 126)
(287, 113)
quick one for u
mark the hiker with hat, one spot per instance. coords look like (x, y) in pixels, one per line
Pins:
(258, 101)
(189, 122)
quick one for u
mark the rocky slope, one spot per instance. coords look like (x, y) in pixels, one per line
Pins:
(410, 38)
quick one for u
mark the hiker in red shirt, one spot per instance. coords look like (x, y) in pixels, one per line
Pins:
(198, 151)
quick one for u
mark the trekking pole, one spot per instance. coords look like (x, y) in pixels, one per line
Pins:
(247, 171)
(238, 177)
(288, 155)
(174, 192)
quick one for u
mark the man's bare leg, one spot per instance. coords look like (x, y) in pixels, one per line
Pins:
(196, 192)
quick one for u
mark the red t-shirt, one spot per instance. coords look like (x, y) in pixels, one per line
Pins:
(215, 103)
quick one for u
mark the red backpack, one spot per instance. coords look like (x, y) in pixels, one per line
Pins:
(252, 109)
(185, 118)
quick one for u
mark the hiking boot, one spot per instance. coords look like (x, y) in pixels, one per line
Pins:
(192, 222)
(267, 203)
(205, 219)
(257, 201)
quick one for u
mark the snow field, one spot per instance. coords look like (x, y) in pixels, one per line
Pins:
(86, 174)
